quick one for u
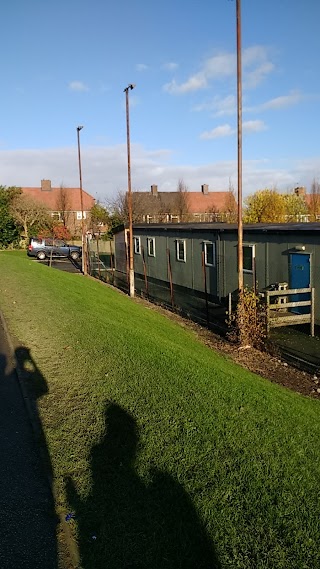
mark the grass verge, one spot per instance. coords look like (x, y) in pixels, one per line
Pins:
(168, 454)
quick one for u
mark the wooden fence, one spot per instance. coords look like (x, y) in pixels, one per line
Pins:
(279, 312)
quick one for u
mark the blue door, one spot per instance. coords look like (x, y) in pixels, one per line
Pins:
(300, 278)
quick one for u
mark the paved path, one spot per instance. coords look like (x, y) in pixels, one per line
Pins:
(27, 520)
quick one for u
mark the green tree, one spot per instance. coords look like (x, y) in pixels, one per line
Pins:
(295, 208)
(99, 216)
(9, 231)
(30, 215)
(265, 206)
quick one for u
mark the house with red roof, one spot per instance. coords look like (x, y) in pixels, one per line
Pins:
(65, 204)
(183, 206)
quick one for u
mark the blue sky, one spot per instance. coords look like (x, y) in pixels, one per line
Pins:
(66, 63)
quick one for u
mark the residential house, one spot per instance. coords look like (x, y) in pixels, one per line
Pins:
(64, 204)
(183, 206)
(312, 202)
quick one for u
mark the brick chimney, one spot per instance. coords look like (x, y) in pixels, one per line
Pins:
(46, 185)
(154, 190)
(300, 191)
(205, 189)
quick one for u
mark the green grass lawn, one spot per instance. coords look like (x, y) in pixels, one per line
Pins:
(169, 455)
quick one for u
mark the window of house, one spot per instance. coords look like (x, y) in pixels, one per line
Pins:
(151, 246)
(56, 215)
(209, 254)
(79, 215)
(249, 252)
(137, 245)
(181, 250)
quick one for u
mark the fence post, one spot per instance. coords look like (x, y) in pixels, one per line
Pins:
(312, 313)
(230, 305)
(267, 314)
(111, 262)
(98, 255)
(205, 285)
(145, 272)
(170, 278)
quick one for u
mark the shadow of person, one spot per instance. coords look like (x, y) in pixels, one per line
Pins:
(125, 523)
(28, 521)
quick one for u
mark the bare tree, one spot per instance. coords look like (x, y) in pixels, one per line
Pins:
(181, 202)
(314, 200)
(230, 206)
(30, 214)
(63, 204)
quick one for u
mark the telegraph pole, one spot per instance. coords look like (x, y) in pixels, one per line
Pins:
(131, 268)
(239, 113)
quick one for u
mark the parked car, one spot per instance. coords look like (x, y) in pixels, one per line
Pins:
(42, 248)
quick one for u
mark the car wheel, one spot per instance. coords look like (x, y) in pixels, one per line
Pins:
(74, 255)
(41, 255)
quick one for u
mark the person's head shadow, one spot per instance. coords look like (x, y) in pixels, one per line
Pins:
(30, 373)
(135, 521)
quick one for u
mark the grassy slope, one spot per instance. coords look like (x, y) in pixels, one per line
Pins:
(144, 422)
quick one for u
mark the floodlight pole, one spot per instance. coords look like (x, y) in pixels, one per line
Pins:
(131, 267)
(83, 241)
(239, 113)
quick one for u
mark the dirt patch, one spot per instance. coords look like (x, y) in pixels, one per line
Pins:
(268, 365)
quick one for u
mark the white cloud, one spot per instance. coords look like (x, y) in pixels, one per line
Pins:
(104, 170)
(141, 67)
(218, 132)
(78, 86)
(220, 106)
(254, 77)
(194, 83)
(283, 101)
(170, 66)
(253, 126)
(255, 63)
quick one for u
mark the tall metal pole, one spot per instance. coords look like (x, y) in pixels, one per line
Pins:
(131, 268)
(239, 112)
(84, 260)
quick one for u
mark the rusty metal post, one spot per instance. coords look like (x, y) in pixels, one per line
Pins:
(145, 272)
(170, 278)
(98, 255)
(205, 285)
(111, 262)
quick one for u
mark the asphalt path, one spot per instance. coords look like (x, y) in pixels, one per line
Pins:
(63, 264)
(27, 518)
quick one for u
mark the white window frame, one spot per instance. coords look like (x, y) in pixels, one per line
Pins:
(205, 244)
(178, 242)
(79, 215)
(151, 253)
(56, 215)
(137, 245)
(253, 256)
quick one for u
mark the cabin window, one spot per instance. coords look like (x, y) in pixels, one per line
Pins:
(209, 254)
(181, 250)
(151, 246)
(249, 253)
(137, 245)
